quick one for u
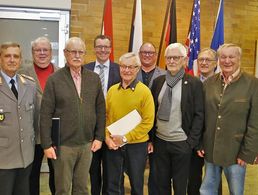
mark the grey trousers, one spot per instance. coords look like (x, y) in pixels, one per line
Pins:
(71, 169)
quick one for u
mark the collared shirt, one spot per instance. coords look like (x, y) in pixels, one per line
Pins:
(146, 76)
(106, 73)
(77, 80)
(202, 78)
(230, 78)
(8, 79)
(131, 86)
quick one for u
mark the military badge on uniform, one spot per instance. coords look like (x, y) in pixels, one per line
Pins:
(2, 116)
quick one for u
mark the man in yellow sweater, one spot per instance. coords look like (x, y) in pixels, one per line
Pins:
(128, 152)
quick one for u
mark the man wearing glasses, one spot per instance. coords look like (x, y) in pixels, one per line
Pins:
(109, 74)
(207, 62)
(148, 72)
(128, 152)
(178, 99)
(41, 69)
(73, 94)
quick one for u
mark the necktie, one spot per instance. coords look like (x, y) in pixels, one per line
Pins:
(102, 75)
(13, 88)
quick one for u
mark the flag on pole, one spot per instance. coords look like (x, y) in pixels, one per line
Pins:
(218, 36)
(136, 28)
(107, 25)
(169, 30)
(193, 39)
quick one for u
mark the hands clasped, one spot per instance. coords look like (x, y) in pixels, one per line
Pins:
(114, 142)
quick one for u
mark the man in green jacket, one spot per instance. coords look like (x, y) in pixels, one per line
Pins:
(230, 138)
(74, 95)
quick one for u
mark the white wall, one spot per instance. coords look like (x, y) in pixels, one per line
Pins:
(48, 4)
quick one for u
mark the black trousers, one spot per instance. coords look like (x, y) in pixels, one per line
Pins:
(35, 172)
(172, 161)
(97, 171)
(15, 181)
(152, 186)
(195, 175)
(130, 159)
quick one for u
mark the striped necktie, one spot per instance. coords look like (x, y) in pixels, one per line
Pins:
(102, 75)
(13, 88)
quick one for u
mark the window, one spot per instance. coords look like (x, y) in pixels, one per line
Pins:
(24, 25)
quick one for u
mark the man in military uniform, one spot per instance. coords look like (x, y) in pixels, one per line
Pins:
(17, 100)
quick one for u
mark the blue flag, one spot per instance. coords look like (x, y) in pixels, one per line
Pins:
(218, 36)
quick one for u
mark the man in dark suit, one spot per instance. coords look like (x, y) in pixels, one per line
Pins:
(148, 72)
(178, 99)
(17, 104)
(73, 94)
(40, 70)
(206, 61)
(109, 75)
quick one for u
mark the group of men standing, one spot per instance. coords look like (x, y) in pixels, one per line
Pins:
(183, 120)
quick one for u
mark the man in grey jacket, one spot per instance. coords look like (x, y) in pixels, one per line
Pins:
(17, 103)
(40, 70)
(73, 94)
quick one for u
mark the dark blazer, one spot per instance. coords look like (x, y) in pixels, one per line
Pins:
(114, 73)
(192, 106)
(157, 72)
(231, 120)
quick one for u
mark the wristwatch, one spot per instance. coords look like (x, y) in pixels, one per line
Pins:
(124, 140)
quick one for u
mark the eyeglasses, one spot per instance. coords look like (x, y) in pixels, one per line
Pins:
(175, 58)
(148, 53)
(43, 50)
(99, 47)
(124, 67)
(74, 52)
(201, 60)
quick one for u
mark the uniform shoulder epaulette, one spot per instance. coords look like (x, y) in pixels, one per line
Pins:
(28, 77)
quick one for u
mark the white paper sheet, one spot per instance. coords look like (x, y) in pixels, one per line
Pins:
(125, 124)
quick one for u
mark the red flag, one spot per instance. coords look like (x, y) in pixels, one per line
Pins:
(107, 25)
(169, 30)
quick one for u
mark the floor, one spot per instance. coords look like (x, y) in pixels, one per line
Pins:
(251, 183)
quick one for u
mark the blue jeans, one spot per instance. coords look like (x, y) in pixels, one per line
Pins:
(131, 159)
(235, 175)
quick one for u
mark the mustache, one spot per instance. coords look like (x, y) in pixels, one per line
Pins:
(77, 59)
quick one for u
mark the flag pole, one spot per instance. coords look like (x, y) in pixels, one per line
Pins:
(102, 25)
(163, 30)
(131, 37)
